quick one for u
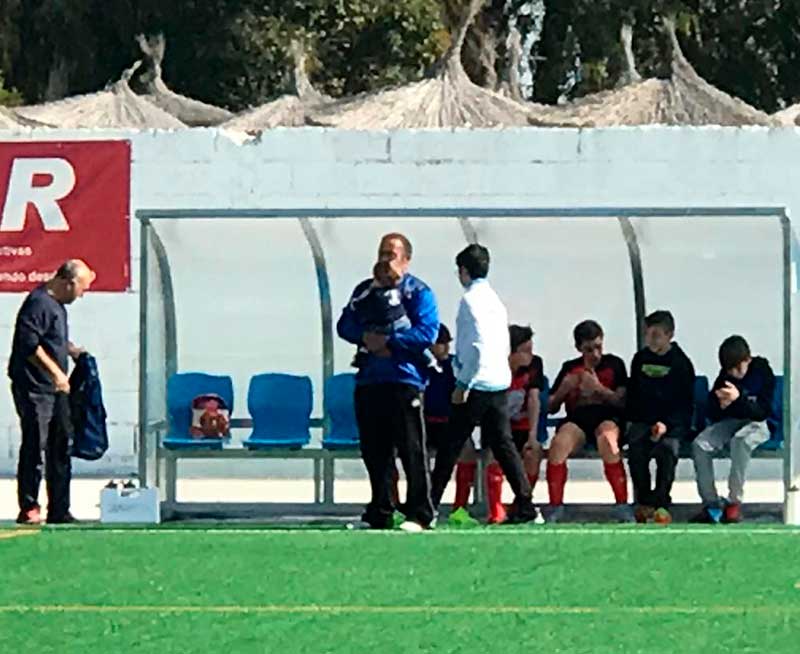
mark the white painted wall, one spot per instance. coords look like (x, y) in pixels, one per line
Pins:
(247, 294)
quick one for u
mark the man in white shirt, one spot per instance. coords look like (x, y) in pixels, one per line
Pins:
(482, 379)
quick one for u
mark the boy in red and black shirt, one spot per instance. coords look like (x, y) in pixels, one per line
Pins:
(592, 388)
(524, 408)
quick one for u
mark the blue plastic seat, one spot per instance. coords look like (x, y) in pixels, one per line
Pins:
(182, 388)
(544, 397)
(775, 421)
(700, 413)
(342, 431)
(280, 406)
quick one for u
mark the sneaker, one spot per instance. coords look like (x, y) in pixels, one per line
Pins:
(623, 513)
(732, 513)
(30, 517)
(644, 514)
(556, 514)
(521, 514)
(397, 519)
(662, 517)
(411, 527)
(500, 517)
(708, 515)
(66, 519)
(461, 519)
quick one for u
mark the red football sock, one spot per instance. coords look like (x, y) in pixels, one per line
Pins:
(465, 477)
(615, 473)
(395, 492)
(532, 479)
(556, 480)
(494, 493)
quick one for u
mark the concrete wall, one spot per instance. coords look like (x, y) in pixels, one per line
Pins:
(717, 276)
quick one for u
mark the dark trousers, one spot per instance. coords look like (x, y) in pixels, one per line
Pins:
(389, 419)
(46, 428)
(641, 449)
(490, 411)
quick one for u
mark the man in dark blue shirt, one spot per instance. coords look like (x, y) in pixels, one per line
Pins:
(388, 396)
(40, 386)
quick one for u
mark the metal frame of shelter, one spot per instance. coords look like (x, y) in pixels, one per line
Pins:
(157, 465)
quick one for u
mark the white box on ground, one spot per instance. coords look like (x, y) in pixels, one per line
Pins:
(130, 505)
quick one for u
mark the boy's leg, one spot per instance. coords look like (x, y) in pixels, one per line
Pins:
(640, 450)
(465, 474)
(532, 461)
(665, 453)
(608, 437)
(744, 441)
(496, 433)
(710, 441)
(462, 422)
(568, 439)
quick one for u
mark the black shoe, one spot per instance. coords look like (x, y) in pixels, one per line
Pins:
(521, 513)
(707, 516)
(66, 519)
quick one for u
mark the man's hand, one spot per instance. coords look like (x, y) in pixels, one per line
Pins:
(530, 444)
(74, 351)
(61, 382)
(459, 396)
(658, 430)
(727, 395)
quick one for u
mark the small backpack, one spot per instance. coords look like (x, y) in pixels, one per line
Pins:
(210, 417)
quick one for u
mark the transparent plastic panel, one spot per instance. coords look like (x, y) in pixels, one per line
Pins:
(792, 432)
(351, 249)
(246, 299)
(553, 273)
(719, 276)
(154, 387)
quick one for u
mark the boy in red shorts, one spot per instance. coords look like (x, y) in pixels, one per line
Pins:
(592, 388)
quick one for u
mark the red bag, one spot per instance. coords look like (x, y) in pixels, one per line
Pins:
(210, 417)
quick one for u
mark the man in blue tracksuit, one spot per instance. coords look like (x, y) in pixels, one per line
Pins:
(388, 396)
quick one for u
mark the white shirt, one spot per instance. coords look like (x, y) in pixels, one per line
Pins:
(482, 345)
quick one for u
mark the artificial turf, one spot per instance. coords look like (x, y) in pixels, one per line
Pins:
(536, 589)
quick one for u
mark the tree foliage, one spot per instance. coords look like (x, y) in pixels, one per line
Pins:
(235, 52)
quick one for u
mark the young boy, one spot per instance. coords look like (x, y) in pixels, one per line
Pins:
(380, 309)
(441, 385)
(527, 381)
(739, 404)
(659, 407)
(592, 387)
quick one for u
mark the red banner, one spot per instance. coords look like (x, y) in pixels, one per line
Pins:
(64, 200)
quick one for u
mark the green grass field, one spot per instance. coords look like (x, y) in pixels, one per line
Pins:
(546, 589)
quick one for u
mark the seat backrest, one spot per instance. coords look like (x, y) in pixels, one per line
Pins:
(183, 387)
(280, 405)
(700, 413)
(775, 421)
(340, 407)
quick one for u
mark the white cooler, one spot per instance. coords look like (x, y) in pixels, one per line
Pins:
(130, 505)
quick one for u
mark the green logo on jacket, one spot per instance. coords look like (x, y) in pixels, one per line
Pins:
(655, 371)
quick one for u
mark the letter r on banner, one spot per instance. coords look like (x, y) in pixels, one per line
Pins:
(22, 192)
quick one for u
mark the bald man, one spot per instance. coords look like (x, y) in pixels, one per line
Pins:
(40, 386)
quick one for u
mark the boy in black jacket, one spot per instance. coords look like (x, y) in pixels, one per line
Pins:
(659, 408)
(739, 405)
